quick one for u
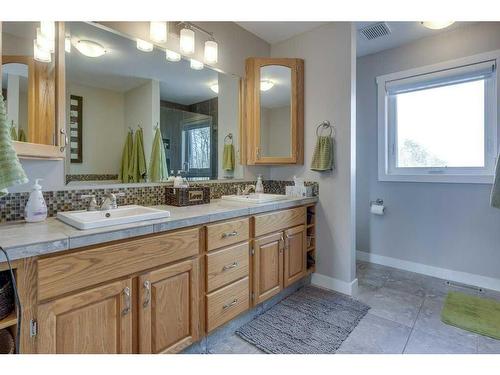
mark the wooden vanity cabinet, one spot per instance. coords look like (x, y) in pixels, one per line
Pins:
(295, 255)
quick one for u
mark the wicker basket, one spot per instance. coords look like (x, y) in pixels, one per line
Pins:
(6, 295)
(6, 342)
(187, 196)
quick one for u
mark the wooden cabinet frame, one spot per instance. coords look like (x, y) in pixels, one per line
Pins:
(252, 111)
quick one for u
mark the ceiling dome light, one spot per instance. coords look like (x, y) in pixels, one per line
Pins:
(196, 65)
(158, 31)
(211, 52)
(40, 54)
(172, 56)
(90, 48)
(67, 44)
(436, 25)
(266, 85)
(187, 41)
(44, 42)
(215, 88)
(144, 46)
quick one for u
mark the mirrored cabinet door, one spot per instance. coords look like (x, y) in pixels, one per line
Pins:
(274, 109)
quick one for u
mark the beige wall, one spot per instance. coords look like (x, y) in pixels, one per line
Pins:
(329, 54)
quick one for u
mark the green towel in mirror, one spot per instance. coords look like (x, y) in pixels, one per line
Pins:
(228, 158)
(323, 154)
(495, 191)
(137, 172)
(126, 158)
(11, 171)
(158, 164)
(22, 136)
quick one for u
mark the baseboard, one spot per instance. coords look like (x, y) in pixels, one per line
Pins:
(327, 282)
(441, 273)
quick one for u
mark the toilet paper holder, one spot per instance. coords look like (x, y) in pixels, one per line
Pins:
(378, 202)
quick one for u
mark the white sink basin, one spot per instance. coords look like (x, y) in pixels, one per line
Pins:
(255, 198)
(120, 215)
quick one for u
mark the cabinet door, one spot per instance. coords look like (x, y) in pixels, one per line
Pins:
(91, 322)
(295, 254)
(268, 267)
(168, 308)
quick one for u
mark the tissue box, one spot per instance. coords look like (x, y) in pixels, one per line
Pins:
(187, 196)
(299, 191)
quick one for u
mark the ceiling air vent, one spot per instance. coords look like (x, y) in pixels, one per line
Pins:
(375, 30)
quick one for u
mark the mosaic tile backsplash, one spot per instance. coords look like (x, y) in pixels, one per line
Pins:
(12, 205)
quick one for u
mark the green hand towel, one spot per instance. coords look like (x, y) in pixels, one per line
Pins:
(22, 136)
(495, 191)
(13, 133)
(158, 163)
(11, 171)
(126, 158)
(228, 158)
(137, 172)
(323, 154)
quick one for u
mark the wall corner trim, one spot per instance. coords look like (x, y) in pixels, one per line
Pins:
(441, 273)
(327, 282)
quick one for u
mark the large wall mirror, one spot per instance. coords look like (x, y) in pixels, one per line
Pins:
(115, 91)
(29, 84)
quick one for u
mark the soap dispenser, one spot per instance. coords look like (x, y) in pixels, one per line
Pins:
(259, 187)
(36, 209)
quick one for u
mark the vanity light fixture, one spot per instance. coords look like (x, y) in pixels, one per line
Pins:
(211, 52)
(158, 31)
(215, 88)
(436, 25)
(67, 44)
(187, 41)
(196, 65)
(40, 54)
(172, 56)
(48, 29)
(144, 46)
(266, 85)
(44, 42)
(90, 48)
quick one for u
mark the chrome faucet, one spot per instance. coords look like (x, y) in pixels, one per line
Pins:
(109, 201)
(247, 189)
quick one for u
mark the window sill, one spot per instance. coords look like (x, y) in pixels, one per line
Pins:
(442, 178)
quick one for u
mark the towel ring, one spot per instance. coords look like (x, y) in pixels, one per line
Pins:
(325, 125)
(230, 138)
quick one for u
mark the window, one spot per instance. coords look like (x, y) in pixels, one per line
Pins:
(439, 123)
(196, 149)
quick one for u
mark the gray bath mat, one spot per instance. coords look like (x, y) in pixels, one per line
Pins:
(310, 321)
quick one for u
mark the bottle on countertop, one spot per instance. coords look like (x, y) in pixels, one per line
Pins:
(178, 182)
(259, 187)
(36, 209)
(171, 177)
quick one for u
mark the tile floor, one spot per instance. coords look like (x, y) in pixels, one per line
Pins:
(404, 318)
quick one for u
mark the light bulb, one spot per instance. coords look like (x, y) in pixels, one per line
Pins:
(172, 56)
(90, 48)
(67, 44)
(211, 52)
(196, 65)
(40, 54)
(436, 25)
(48, 29)
(44, 42)
(187, 41)
(158, 31)
(144, 46)
(266, 84)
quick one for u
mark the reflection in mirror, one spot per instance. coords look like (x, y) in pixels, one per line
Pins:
(28, 85)
(275, 111)
(123, 90)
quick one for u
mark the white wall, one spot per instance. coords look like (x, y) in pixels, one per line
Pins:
(329, 54)
(449, 226)
(103, 136)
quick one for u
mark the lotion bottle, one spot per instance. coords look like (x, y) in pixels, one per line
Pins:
(36, 209)
(259, 187)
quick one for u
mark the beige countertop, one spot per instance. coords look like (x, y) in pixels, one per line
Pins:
(23, 240)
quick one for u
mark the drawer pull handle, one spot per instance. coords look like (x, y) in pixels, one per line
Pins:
(228, 305)
(147, 286)
(229, 234)
(126, 293)
(229, 266)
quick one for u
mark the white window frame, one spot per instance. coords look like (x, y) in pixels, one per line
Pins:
(387, 171)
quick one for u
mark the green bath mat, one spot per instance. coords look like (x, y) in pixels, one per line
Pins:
(475, 314)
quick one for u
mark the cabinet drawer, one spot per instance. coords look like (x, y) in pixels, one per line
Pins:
(226, 303)
(276, 221)
(66, 273)
(227, 233)
(227, 265)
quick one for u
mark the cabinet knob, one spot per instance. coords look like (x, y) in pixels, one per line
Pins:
(147, 299)
(127, 294)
